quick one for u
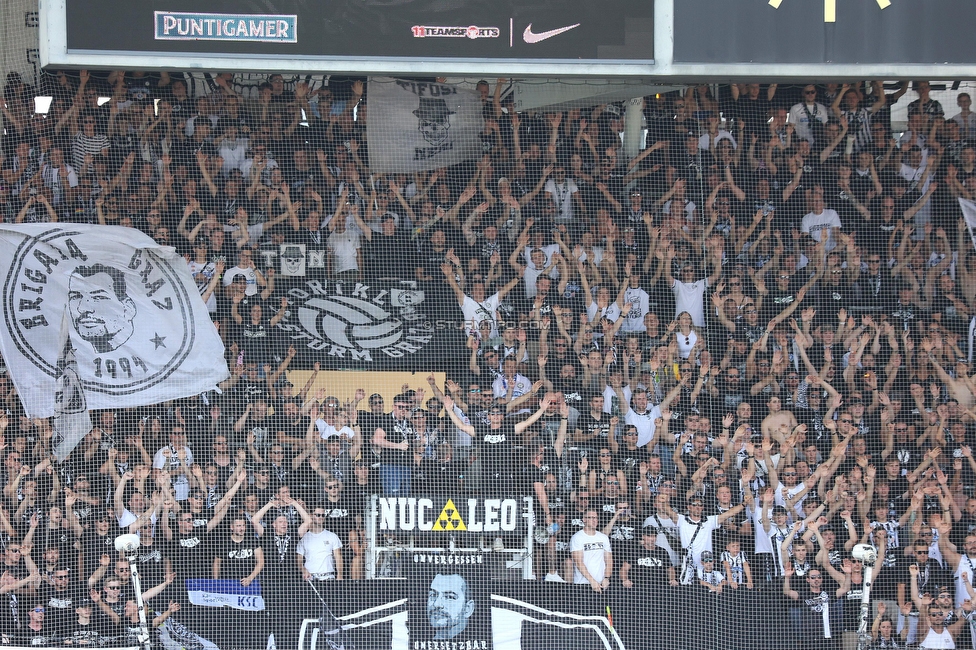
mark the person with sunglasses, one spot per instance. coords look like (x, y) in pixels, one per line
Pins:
(804, 113)
(38, 631)
(939, 623)
(392, 437)
(695, 533)
(921, 575)
(816, 614)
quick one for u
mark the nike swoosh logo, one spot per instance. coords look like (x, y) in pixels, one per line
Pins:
(531, 37)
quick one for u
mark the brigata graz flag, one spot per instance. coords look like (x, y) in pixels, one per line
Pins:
(139, 331)
(415, 126)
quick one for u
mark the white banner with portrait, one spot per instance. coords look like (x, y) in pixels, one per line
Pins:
(101, 317)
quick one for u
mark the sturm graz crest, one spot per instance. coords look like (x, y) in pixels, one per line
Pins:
(373, 323)
(119, 348)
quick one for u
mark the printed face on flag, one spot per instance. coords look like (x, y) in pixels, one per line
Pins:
(126, 308)
(448, 605)
(101, 309)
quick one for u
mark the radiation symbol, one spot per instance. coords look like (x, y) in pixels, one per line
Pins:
(449, 519)
(830, 8)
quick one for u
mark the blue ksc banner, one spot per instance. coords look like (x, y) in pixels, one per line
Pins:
(225, 593)
(263, 28)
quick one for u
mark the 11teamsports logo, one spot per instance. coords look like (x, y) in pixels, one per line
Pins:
(471, 31)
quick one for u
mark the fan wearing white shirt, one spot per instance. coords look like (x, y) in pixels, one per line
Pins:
(803, 113)
(689, 293)
(510, 385)
(639, 302)
(536, 267)
(566, 195)
(821, 223)
(477, 307)
(638, 414)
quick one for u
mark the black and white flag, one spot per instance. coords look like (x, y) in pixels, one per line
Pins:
(431, 125)
(969, 214)
(101, 317)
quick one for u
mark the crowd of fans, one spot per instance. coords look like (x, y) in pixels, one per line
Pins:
(718, 365)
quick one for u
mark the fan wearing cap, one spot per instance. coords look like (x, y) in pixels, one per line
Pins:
(710, 577)
(38, 630)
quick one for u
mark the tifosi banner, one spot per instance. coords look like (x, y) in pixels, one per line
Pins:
(127, 307)
(434, 125)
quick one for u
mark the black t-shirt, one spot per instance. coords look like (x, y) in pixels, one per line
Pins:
(629, 461)
(753, 112)
(429, 259)
(152, 568)
(961, 528)
(60, 605)
(930, 577)
(384, 251)
(106, 623)
(777, 300)
(648, 568)
(589, 425)
(361, 494)
(237, 558)
(445, 477)
(496, 449)
(605, 508)
(397, 431)
(852, 605)
(624, 535)
(531, 474)
(95, 546)
(280, 569)
(192, 554)
(12, 613)
(90, 634)
(340, 516)
(46, 637)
